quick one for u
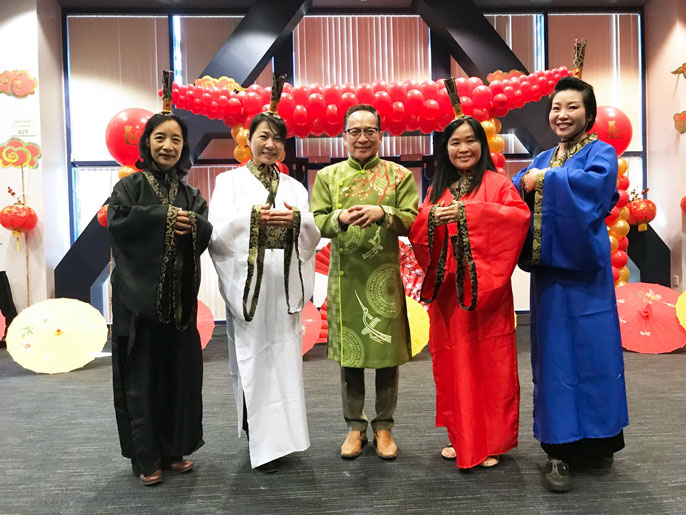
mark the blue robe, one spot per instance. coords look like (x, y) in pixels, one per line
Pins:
(576, 351)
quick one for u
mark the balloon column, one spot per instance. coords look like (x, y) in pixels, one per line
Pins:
(613, 127)
(411, 105)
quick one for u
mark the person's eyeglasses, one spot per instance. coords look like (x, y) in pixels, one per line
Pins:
(370, 132)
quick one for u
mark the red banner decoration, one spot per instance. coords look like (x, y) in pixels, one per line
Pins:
(403, 106)
(17, 83)
(14, 153)
(680, 122)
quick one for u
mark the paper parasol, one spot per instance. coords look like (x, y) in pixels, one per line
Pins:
(419, 325)
(56, 335)
(312, 325)
(410, 271)
(648, 320)
(681, 309)
(205, 324)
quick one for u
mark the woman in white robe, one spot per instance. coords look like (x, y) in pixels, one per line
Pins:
(256, 212)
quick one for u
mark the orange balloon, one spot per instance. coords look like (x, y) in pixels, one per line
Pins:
(622, 166)
(624, 274)
(624, 213)
(242, 137)
(235, 129)
(614, 244)
(242, 154)
(125, 171)
(489, 128)
(497, 124)
(620, 229)
(620, 283)
(496, 144)
(282, 157)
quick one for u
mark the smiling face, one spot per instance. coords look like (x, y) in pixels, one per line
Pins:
(567, 115)
(166, 144)
(464, 149)
(365, 145)
(265, 145)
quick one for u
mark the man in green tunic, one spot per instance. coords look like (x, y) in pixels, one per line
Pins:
(364, 204)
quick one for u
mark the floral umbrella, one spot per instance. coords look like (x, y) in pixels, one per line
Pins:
(56, 335)
(648, 319)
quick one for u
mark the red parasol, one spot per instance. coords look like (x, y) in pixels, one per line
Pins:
(410, 271)
(205, 324)
(312, 324)
(648, 320)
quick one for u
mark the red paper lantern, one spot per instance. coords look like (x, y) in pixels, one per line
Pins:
(683, 203)
(641, 212)
(102, 216)
(18, 218)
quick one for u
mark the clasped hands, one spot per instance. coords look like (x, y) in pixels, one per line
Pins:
(530, 179)
(361, 215)
(447, 214)
(182, 227)
(277, 217)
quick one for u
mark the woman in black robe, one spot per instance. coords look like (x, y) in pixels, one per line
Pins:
(159, 229)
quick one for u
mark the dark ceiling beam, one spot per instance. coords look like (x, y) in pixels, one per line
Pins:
(262, 31)
(477, 46)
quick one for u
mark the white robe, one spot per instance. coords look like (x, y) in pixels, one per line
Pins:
(265, 354)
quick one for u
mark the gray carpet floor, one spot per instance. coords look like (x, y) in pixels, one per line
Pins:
(60, 452)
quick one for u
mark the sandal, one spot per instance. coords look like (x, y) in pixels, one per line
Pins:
(448, 453)
(489, 462)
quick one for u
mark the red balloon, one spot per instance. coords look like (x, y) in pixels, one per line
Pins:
(411, 122)
(622, 182)
(427, 126)
(501, 170)
(615, 273)
(430, 109)
(397, 92)
(623, 244)
(429, 89)
(619, 259)
(286, 105)
(623, 199)
(467, 105)
(382, 103)
(379, 85)
(396, 128)
(331, 115)
(463, 87)
(234, 107)
(612, 217)
(496, 87)
(316, 107)
(252, 103)
(397, 112)
(282, 168)
(474, 82)
(444, 100)
(316, 88)
(613, 127)
(480, 114)
(365, 94)
(414, 101)
(300, 116)
(317, 126)
(302, 131)
(481, 96)
(332, 94)
(683, 203)
(348, 99)
(123, 132)
(301, 94)
(498, 159)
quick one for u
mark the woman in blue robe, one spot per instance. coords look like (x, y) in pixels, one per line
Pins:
(576, 353)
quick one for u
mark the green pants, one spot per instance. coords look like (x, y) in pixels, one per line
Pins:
(352, 391)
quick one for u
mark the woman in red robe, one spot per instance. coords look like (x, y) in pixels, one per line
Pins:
(467, 238)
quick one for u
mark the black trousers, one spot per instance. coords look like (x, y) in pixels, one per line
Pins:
(9, 311)
(586, 449)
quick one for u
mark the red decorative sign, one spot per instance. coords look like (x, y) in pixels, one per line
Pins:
(17, 83)
(680, 122)
(16, 154)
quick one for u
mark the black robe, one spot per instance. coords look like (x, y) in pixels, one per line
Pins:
(156, 353)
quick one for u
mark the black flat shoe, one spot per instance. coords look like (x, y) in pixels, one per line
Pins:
(557, 478)
(268, 468)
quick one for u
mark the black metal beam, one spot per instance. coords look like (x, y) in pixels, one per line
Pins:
(477, 46)
(650, 255)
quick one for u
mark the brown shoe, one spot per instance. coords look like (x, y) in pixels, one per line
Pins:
(352, 447)
(386, 449)
(151, 479)
(180, 466)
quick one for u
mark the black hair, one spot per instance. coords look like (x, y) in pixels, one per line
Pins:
(276, 124)
(145, 160)
(362, 107)
(587, 97)
(446, 173)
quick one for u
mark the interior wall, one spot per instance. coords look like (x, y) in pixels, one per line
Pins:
(665, 42)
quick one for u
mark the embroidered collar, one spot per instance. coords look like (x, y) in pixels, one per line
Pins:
(269, 180)
(372, 163)
(557, 162)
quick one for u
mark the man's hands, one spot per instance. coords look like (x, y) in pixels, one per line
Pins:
(277, 217)
(362, 215)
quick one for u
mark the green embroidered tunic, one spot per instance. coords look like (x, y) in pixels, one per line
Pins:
(366, 310)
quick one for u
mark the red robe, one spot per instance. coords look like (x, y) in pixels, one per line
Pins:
(472, 337)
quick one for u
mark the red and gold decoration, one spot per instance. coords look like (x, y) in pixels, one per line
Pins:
(641, 212)
(403, 106)
(680, 122)
(123, 133)
(15, 153)
(613, 127)
(17, 83)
